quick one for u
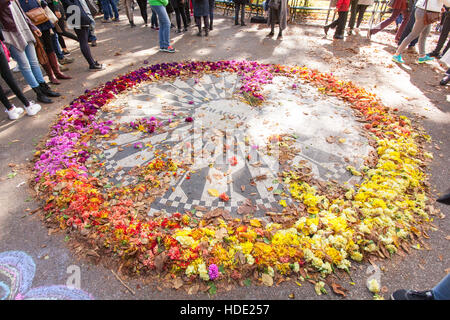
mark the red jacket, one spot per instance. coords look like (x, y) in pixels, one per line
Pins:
(342, 5)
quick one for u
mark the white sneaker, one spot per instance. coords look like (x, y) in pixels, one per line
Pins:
(16, 69)
(33, 108)
(15, 113)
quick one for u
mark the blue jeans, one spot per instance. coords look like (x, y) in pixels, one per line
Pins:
(164, 26)
(154, 19)
(442, 290)
(107, 12)
(56, 46)
(28, 64)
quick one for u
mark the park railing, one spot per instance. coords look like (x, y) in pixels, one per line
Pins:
(307, 11)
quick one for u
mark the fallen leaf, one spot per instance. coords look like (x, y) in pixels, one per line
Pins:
(267, 279)
(338, 289)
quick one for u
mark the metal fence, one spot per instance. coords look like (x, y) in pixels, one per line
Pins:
(300, 11)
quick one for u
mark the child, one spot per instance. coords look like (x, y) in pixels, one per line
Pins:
(342, 10)
(201, 11)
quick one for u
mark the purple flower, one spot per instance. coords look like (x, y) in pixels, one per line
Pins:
(213, 271)
(189, 119)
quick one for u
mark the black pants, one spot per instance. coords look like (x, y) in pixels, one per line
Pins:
(47, 41)
(9, 79)
(339, 23)
(198, 21)
(444, 34)
(83, 35)
(212, 4)
(180, 13)
(187, 8)
(239, 7)
(143, 8)
(357, 10)
(65, 33)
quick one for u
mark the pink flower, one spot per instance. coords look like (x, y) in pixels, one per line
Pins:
(213, 271)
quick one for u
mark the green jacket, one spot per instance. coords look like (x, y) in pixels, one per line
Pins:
(158, 2)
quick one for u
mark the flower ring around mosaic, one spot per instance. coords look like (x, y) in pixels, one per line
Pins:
(171, 167)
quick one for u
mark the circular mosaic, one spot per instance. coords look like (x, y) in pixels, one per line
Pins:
(235, 171)
(227, 128)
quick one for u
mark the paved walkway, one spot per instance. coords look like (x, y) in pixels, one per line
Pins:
(412, 88)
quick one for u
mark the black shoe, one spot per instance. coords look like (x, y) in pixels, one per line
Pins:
(97, 66)
(48, 91)
(326, 28)
(94, 43)
(199, 34)
(412, 295)
(41, 96)
(433, 54)
(243, 24)
(185, 29)
(340, 37)
(445, 80)
(236, 23)
(132, 25)
(206, 32)
(179, 31)
(270, 34)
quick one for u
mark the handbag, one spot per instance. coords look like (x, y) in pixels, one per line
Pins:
(50, 15)
(37, 16)
(6, 51)
(430, 16)
(40, 51)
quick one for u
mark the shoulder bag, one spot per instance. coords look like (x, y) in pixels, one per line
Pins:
(430, 16)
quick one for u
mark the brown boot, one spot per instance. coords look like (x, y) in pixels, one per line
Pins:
(53, 60)
(50, 74)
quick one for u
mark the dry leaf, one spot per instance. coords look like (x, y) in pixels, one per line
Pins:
(267, 279)
(338, 289)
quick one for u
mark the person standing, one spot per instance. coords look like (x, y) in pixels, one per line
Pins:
(17, 34)
(82, 31)
(52, 67)
(201, 11)
(109, 7)
(278, 12)
(129, 11)
(180, 14)
(398, 7)
(159, 6)
(420, 29)
(239, 6)
(342, 10)
(13, 111)
(358, 8)
(443, 36)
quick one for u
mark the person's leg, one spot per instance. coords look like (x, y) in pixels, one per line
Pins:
(341, 21)
(423, 38)
(66, 33)
(443, 36)
(53, 60)
(237, 7)
(24, 66)
(83, 34)
(198, 22)
(415, 32)
(164, 26)
(178, 18)
(183, 16)
(154, 19)
(361, 11)
(11, 82)
(129, 11)
(114, 9)
(442, 290)
(212, 4)
(406, 15)
(31, 71)
(206, 23)
(107, 13)
(353, 12)
(385, 23)
(243, 14)
(143, 9)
